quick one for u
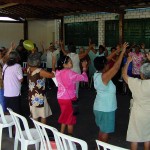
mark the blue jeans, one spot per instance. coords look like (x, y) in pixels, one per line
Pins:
(2, 101)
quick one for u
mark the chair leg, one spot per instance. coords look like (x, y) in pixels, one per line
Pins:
(10, 131)
(16, 144)
(37, 146)
(24, 146)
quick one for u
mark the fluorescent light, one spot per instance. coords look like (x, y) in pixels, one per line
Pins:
(6, 19)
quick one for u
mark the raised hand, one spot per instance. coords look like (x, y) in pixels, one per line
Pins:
(42, 42)
(12, 46)
(61, 42)
(124, 46)
(129, 59)
(143, 46)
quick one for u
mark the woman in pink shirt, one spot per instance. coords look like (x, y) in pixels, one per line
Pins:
(137, 60)
(67, 80)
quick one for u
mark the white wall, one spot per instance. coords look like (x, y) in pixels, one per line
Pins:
(42, 30)
(10, 32)
(38, 30)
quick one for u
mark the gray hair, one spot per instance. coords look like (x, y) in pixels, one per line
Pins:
(34, 60)
(145, 70)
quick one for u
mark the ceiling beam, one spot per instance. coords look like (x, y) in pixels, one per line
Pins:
(8, 5)
(15, 16)
(64, 5)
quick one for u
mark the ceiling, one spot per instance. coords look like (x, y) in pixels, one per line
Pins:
(54, 9)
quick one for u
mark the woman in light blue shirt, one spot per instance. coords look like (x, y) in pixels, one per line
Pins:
(105, 102)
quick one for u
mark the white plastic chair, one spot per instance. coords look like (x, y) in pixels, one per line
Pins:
(46, 144)
(43, 64)
(65, 142)
(24, 65)
(1, 128)
(26, 137)
(107, 146)
(6, 121)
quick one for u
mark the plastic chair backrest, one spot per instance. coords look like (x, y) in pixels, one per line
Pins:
(16, 118)
(41, 128)
(2, 115)
(24, 65)
(65, 142)
(107, 146)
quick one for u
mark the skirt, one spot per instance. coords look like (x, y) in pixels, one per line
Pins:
(66, 116)
(105, 121)
(42, 112)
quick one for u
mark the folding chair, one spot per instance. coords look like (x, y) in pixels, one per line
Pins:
(26, 137)
(46, 144)
(6, 121)
(65, 142)
(107, 146)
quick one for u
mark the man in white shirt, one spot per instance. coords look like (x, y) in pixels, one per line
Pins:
(51, 51)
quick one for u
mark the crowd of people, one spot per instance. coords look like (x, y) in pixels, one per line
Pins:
(69, 68)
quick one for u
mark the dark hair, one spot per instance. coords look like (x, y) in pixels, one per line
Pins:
(102, 48)
(113, 48)
(72, 47)
(100, 62)
(61, 61)
(13, 58)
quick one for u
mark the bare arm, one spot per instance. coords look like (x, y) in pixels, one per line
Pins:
(109, 57)
(94, 51)
(63, 48)
(108, 75)
(46, 74)
(82, 55)
(21, 80)
(53, 62)
(42, 45)
(125, 69)
(5, 57)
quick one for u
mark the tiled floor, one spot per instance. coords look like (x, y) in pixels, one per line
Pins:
(85, 128)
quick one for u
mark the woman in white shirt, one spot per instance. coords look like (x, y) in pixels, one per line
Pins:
(13, 76)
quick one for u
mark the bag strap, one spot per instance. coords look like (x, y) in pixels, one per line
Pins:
(4, 73)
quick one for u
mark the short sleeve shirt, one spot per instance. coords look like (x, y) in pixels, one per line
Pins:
(136, 62)
(12, 76)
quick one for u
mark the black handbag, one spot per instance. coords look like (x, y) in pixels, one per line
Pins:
(75, 106)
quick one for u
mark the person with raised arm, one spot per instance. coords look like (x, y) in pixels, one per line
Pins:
(105, 103)
(67, 79)
(75, 57)
(139, 120)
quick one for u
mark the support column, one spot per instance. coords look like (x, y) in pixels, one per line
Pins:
(61, 30)
(121, 28)
(26, 30)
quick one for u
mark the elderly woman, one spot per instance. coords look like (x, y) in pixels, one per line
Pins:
(13, 76)
(39, 107)
(105, 102)
(139, 122)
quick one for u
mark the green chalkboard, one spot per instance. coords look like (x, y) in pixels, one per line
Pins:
(80, 32)
(135, 31)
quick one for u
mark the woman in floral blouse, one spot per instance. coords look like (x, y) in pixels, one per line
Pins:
(39, 107)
